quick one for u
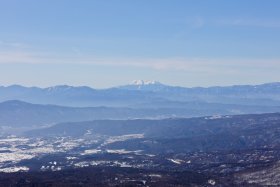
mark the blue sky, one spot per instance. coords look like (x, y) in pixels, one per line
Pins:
(103, 43)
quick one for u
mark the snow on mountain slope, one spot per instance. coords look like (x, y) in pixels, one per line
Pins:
(145, 85)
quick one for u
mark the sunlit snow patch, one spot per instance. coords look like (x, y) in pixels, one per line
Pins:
(14, 169)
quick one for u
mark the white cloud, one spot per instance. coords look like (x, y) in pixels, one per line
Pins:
(200, 65)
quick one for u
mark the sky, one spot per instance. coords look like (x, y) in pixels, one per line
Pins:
(105, 43)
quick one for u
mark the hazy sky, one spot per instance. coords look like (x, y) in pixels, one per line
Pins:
(103, 43)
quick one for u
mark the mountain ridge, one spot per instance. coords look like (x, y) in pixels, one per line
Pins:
(18, 114)
(140, 92)
(144, 82)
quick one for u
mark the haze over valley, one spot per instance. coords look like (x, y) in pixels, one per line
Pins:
(104, 93)
(159, 134)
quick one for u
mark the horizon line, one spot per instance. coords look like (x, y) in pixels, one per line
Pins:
(129, 84)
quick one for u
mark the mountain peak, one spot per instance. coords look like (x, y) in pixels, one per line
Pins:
(144, 85)
(59, 87)
(144, 82)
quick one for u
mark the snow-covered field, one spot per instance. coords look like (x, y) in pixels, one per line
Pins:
(14, 150)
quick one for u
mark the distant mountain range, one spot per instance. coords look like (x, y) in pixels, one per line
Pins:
(140, 93)
(18, 114)
(29, 107)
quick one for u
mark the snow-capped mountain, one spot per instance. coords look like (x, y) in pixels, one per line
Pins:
(140, 91)
(144, 82)
(146, 85)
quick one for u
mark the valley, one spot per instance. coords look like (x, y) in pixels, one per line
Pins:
(148, 154)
